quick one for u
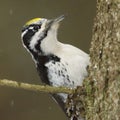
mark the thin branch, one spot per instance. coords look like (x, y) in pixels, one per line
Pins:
(36, 88)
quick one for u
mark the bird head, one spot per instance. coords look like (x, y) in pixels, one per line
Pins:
(39, 33)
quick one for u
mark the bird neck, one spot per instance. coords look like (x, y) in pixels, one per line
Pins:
(50, 44)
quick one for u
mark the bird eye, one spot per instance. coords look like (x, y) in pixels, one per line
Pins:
(37, 27)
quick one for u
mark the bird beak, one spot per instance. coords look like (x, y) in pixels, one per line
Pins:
(55, 21)
(59, 19)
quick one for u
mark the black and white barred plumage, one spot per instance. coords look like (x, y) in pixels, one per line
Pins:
(58, 64)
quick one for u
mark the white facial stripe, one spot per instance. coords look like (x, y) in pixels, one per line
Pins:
(34, 40)
(30, 28)
(37, 36)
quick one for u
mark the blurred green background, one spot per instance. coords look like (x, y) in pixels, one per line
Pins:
(16, 63)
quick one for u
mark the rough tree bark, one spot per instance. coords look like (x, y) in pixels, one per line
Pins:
(101, 98)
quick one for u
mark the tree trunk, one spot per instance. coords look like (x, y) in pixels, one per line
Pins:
(102, 87)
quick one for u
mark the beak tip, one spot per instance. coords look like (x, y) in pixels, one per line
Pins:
(60, 18)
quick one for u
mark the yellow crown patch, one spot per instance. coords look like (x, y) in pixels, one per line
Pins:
(32, 21)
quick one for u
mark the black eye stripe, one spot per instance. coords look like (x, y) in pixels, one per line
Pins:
(35, 27)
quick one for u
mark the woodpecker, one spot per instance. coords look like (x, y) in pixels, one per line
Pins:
(58, 64)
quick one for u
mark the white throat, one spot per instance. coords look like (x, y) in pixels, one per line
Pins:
(50, 44)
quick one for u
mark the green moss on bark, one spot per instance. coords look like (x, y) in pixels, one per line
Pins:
(103, 83)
